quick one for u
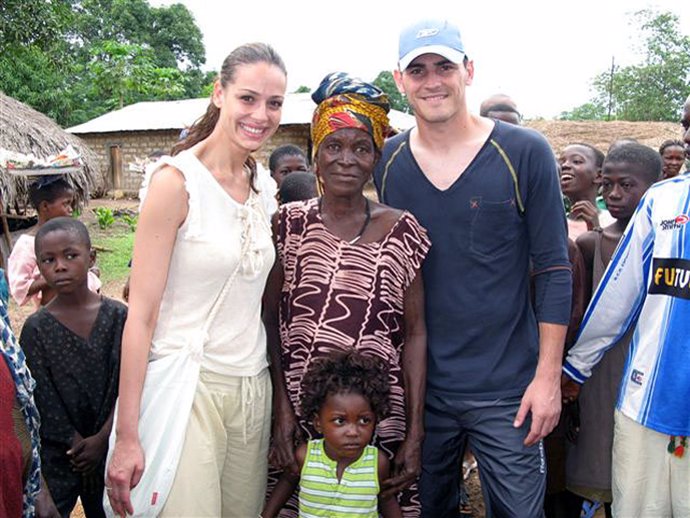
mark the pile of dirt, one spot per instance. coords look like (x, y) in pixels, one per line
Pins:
(601, 134)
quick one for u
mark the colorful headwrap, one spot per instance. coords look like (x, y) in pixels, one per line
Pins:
(347, 102)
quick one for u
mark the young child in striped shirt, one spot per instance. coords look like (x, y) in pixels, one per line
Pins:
(340, 474)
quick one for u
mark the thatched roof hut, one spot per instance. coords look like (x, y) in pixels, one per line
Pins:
(24, 130)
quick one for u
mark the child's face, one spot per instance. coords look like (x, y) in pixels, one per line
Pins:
(288, 164)
(578, 170)
(64, 261)
(674, 158)
(623, 184)
(347, 423)
(59, 207)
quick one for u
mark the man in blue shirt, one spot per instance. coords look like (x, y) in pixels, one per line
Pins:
(488, 194)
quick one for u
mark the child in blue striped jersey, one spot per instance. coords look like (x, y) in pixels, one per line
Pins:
(340, 474)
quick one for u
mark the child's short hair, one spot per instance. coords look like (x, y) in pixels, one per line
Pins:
(298, 186)
(348, 372)
(597, 153)
(47, 188)
(647, 161)
(280, 152)
(71, 225)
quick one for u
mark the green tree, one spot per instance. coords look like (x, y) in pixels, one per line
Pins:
(386, 83)
(31, 22)
(123, 74)
(302, 89)
(76, 59)
(653, 89)
(198, 83)
(170, 31)
(584, 112)
(29, 74)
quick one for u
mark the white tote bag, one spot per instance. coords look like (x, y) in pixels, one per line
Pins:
(166, 403)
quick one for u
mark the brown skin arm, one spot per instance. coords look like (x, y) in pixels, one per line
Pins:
(285, 429)
(285, 486)
(407, 464)
(580, 295)
(39, 284)
(388, 505)
(45, 507)
(587, 244)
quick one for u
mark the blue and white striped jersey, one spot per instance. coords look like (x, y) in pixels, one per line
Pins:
(647, 284)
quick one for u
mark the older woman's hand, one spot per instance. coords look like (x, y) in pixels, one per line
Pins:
(286, 434)
(407, 466)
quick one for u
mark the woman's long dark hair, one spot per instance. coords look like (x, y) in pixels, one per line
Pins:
(248, 54)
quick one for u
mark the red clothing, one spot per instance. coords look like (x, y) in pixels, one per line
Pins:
(11, 486)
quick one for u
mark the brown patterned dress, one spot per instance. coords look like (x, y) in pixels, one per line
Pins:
(337, 296)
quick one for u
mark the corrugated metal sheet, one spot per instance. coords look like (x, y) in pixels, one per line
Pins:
(164, 115)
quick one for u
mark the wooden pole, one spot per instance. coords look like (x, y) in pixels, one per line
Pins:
(6, 233)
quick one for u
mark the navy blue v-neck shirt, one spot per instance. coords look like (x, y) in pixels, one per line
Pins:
(487, 235)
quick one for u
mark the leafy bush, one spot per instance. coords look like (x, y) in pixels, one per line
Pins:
(104, 216)
(131, 221)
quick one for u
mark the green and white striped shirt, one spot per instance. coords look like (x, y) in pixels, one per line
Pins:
(322, 495)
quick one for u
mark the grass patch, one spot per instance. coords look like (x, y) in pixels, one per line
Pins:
(118, 251)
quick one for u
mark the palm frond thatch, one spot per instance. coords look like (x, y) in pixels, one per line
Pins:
(25, 130)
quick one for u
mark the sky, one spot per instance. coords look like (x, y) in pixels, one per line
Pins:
(544, 54)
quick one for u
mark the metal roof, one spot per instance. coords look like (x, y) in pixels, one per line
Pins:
(166, 115)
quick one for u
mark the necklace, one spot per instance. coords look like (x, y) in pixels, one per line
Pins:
(367, 219)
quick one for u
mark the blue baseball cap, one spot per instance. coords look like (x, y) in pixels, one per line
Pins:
(430, 37)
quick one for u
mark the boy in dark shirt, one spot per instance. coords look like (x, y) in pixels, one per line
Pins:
(72, 346)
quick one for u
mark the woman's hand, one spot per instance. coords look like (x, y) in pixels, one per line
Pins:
(286, 434)
(407, 466)
(123, 474)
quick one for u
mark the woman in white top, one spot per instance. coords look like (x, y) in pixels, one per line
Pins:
(202, 253)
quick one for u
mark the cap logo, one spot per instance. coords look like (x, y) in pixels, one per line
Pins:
(425, 33)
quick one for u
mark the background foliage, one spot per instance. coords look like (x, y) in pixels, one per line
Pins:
(76, 59)
(653, 89)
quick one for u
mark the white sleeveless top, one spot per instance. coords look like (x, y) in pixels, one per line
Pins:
(207, 251)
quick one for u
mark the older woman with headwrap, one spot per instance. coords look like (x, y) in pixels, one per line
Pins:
(347, 277)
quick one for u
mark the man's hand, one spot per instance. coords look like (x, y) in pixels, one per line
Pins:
(543, 399)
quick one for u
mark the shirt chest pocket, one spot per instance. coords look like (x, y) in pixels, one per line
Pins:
(494, 227)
